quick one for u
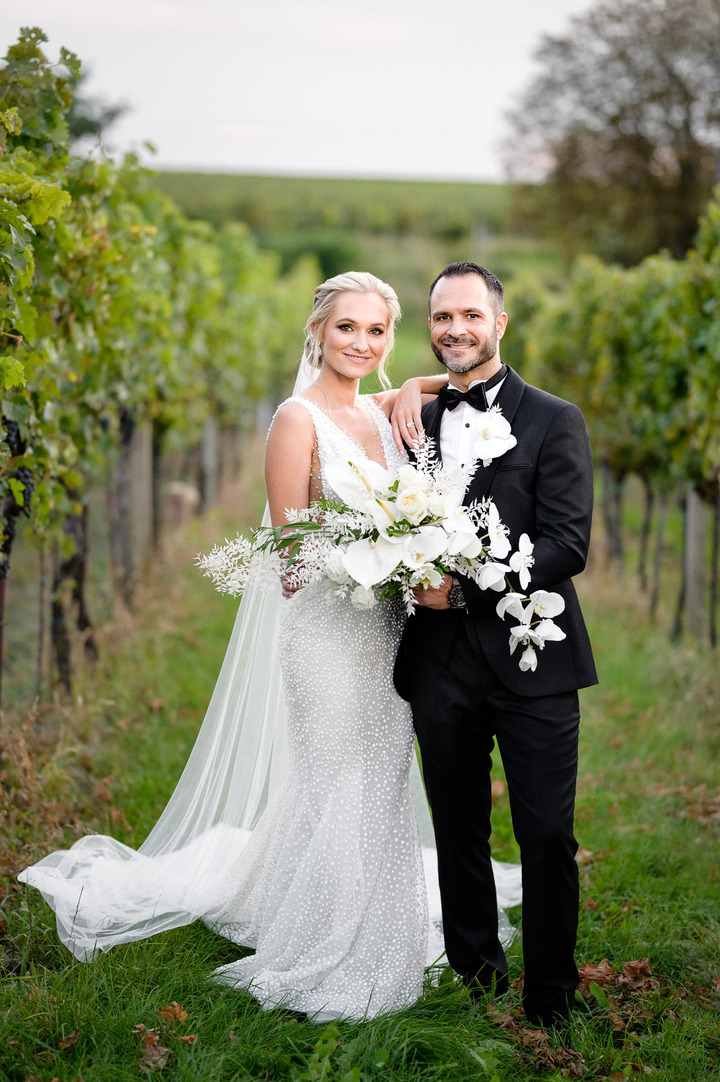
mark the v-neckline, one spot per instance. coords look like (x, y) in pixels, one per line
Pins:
(362, 399)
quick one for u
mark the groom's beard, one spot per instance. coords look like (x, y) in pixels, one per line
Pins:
(469, 358)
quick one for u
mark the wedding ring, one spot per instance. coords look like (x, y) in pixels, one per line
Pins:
(410, 424)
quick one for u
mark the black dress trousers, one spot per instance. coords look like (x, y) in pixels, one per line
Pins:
(460, 708)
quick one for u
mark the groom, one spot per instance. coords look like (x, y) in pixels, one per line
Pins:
(466, 690)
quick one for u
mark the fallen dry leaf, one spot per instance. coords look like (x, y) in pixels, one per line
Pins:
(638, 975)
(149, 1035)
(599, 974)
(542, 1053)
(154, 1055)
(173, 1013)
(498, 789)
(69, 1041)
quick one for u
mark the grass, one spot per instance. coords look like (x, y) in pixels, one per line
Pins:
(302, 203)
(648, 820)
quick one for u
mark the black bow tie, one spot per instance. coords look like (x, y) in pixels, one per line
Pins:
(475, 397)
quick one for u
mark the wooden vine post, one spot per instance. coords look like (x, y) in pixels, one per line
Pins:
(696, 579)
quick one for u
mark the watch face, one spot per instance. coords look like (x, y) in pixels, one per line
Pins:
(456, 596)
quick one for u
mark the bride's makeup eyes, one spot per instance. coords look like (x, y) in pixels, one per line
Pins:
(349, 328)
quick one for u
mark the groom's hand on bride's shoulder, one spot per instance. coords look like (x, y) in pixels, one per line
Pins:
(434, 597)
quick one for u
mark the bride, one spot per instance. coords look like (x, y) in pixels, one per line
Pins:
(293, 829)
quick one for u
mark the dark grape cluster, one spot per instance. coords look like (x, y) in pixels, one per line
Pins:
(26, 476)
(14, 440)
(11, 512)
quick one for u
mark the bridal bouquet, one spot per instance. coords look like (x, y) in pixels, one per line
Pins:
(386, 535)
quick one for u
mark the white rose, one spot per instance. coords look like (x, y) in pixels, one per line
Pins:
(363, 597)
(436, 504)
(335, 569)
(412, 503)
(409, 477)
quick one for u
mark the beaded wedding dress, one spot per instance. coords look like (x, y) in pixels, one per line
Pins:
(335, 901)
(312, 853)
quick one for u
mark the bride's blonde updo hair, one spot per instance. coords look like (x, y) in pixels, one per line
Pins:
(326, 296)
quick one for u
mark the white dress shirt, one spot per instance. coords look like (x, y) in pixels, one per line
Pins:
(456, 431)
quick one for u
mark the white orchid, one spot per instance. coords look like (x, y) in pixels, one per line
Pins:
(460, 527)
(531, 635)
(493, 436)
(497, 534)
(465, 543)
(491, 576)
(427, 576)
(424, 546)
(523, 634)
(522, 560)
(511, 604)
(549, 632)
(528, 662)
(547, 604)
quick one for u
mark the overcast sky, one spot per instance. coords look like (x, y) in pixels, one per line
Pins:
(373, 88)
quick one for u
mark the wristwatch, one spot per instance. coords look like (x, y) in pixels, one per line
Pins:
(456, 597)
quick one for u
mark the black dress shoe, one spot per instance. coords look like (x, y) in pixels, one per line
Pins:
(555, 1020)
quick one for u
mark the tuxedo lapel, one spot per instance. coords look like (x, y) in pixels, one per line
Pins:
(508, 399)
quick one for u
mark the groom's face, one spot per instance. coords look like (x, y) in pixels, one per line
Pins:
(465, 326)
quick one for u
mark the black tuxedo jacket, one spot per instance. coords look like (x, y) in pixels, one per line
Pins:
(542, 487)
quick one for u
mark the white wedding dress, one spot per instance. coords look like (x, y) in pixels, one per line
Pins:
(329, 884)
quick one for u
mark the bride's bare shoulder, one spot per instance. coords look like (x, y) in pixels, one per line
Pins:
(292, 420)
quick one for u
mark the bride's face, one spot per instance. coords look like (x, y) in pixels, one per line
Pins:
(354, 340)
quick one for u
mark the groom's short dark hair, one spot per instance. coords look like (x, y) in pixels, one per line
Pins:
(461, 270)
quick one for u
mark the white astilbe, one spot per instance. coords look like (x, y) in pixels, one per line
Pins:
(229, 566)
